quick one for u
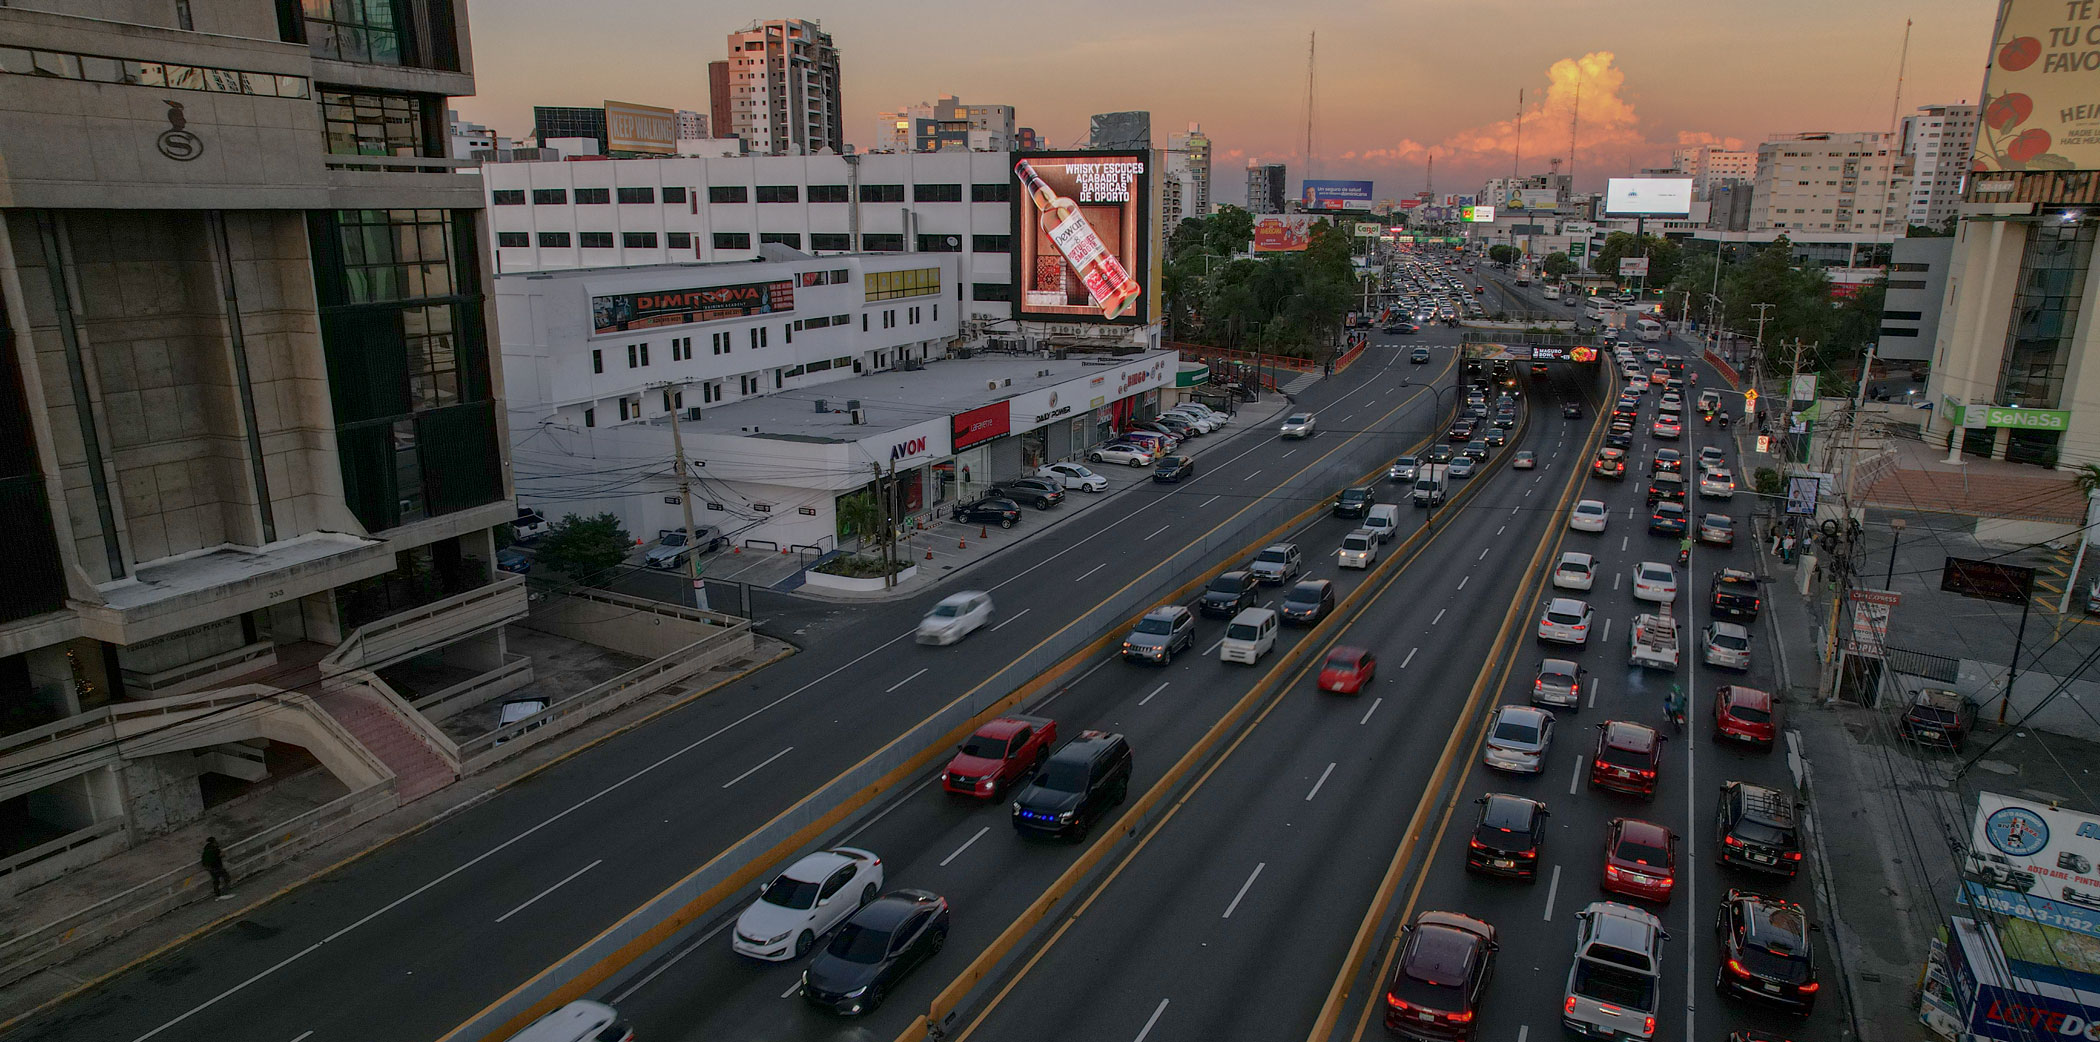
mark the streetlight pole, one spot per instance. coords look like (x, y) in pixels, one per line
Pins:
(1888, 581)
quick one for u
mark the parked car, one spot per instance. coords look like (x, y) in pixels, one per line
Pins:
(1173, 468)
(1938, 717)
(529, 526)
(513, 560)
(874, 950)
(990, 510)
(1077, 785)
(1073, 475)
(1042, 492)
(1118, 452)
(804, 902)
(1001, 753)
(1162, 632)
(671, 546)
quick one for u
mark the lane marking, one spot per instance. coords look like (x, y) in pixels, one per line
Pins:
(1211, 500)
(1375, 703)
(1011, 618)
(792, 989)
(1432, 622)
(1410, 656)
(1462, 580)
(1155, 691)
(1349, 417)
(1615, 581)
(303, 1035)
(1162, 528)
(767, 760)
(1484, 553)
(1090, 571)
(1575, 778)
(1316, 785)
(1243, 889)
(1499, 531)
(1593, 694)
(1552, 891)
(1622, 542)
(965, 846)
(909, 679)
(529, 901)
(1154, 1019)
(1607, 632)
(1250, 477)
(1213, 646)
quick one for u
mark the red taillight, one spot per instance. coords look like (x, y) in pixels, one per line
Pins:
(1476, 844)
(1794, 855)
(1568, 1006)
(1650, 1029)
(1736, 968)
(1810, 988)
(1397, 1002)
(1647, 775)
(1731, 841)
(1666, 882)
(1460, 1018)
(1611, 871)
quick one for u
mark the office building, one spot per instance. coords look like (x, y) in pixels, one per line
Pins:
(1710, 166)
(469, 138)
(718, 99)
(1119, 130)
(251, 419)
(1910, 308)
(1825, 182)
(945, 124)
(692, 126)
(1938, 141)
(782, 89)
(1189, 154)
(1266, 184)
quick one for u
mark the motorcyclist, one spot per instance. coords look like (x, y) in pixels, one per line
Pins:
(1673, 705)
(1684, 550)
(1724, 417)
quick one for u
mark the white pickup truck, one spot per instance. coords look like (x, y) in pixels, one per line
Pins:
(1654, 642)
(1615, 987)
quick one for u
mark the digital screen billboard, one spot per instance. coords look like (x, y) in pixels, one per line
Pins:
(640, 128)
(1335, 195)
(1082, 236)
(2037, 110)
(1282, 232)
(1477, 214)
(621, 312)
(1648, 196)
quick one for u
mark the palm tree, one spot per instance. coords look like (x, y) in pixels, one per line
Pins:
(861, 515)
(2087, 477)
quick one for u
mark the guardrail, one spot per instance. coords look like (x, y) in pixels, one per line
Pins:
(13, 869)
(515, 672)
(377, 643)
(245, 656)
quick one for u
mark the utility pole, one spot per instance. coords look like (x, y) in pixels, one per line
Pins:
(1843, 559)
(1761, 310)
(889, 531)
(685, 501)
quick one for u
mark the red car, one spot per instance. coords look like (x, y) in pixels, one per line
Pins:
(999, 754)
(1628, 756)
(1347, 670)
(1745, 714)
(1640, 859)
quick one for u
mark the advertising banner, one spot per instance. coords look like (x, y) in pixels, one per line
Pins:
(2028, 419)
(621, 312)
(980, 424)
(2038, 112)
(1366, 230)
(640, 128)
(1870, 622)
(1282, 232)
(1633, 266)
(1335, 195)
(1996, 996)
(1801, 491)
(1477, 214)
(1583, 229)
(1987, 580)
(2032, 861)
(1578, 248)
(1409, 204)
(1532, 199)
(1080, 230)
(1648, 196)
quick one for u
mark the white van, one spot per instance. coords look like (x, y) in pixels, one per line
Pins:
(1248, 636)
(1551, 292)
(1383, 521)
(579, 1021)
(1597, 308)
(1359, 549)
(1648, 329)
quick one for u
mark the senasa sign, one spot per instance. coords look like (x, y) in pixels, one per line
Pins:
(979, 425)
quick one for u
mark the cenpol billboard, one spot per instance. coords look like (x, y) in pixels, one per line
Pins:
(2038, 113)
(619, 312)
(1082, 227)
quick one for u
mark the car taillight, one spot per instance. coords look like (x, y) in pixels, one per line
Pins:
(1736, 968)
(1731, 841)
(1666, 882)
(1792, 855)
(1650, 1029)
(1810, 988)
(1647, 775)
(1568, 1006)
(1465, 1017)
(1476, 844)
(1397, 1002)
(1611, 871)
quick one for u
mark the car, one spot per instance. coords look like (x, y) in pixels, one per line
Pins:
(1666, 461)
(1589, 515)
(513, 560)
(990, 510)
(1667, 486)
(1116, 452)
(1177, 426)
(1566, 621)
(1154, 443)
(1346, 670)
(1717, 484)
(1671, 401)
(1277, 563)
(1614, 987)
(1418, 356)
(1712, 457)
(1073, 475)
(1359, 549)
(1229, 594)
(1461, 430)
(1507, 836)
(1525, 459)
(1756, 828)
(1717, 529)
(1517, 739)
(1477, 453)
(579, 1021)
(671, 548)
(1610, 463)
(1666, 426)
(1575, 571)
(1726, 644)
(999, 754)
(1659, 377)
(956, 616)
(1308, 602)
(1440, 977)
(1505, 419)
(1571, 411)
(1298, 425)
(1077, 785)
(1763, 950)
(1709, 400)
(1173, 468)
(1495, 438)
(1441, 452)
(1745, 714)
(875, 950)
(804, 902)
(1939, 718)
(1462, 467)
(1666, 519)
(1160, 633)
(1637, 383)
(1620, 436)
(1640, 859)
(1654, 581)
(1558, 684)
(1201, 423)
(1043, 492)
(1355, 502)
(1627, 759)
(1735, 594)
(1654, 354)
(1403, 469)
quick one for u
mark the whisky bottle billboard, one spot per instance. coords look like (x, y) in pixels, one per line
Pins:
(1080, 236)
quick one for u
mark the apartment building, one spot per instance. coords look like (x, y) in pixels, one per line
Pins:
(1825, 182)
(1710, 166)
(1267, 187)
(782, 83)
(1938, 141)
(945, 124)
(1188, 160)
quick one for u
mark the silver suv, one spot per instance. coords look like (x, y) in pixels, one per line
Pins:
(1615, 987)
(1163, 631)
(1277, 563)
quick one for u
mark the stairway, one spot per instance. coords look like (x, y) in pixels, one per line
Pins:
(418, 771)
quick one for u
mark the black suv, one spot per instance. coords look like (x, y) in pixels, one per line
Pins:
(1229, 594)
(1755, 828)
(1355, 502)
(1507, 836)
(1077, 785)
(990, 511)
(1044, 494)
(1764, 951)
(1735, 594)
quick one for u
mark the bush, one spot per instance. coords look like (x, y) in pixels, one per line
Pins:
(860, 566)
(1767, 481)
(585, 547)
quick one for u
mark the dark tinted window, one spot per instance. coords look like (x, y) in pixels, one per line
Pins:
(861, 944)
(1152, 625)
(727, 194)
(791, 893)
(593, 196)
(638, 195)
(990, 748)
(1064, 775)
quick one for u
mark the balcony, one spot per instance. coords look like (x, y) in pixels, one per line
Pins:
(162, 597)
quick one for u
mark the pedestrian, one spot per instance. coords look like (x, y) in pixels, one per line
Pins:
(215, 863)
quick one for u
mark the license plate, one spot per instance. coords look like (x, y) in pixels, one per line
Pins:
(1503, 863)
(1424, 1015)
(1931, 734)
(1773, 988)
(1762, 859)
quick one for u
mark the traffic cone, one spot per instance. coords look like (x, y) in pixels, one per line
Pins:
(929, 553)
(983, 532)
(962, 544)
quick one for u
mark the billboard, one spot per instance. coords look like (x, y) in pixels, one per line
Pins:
(1282, 232)
(1335, 195)
(1532, 199)
(1081, 227)
(2037, 110)
(1633, 266)
(640, 128)
(1367, 230)
(2032, 861)
(1477, 214)
(1648, 196)
(654, 309)
(1987, 580)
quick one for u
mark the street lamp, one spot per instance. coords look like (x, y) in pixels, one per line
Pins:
(1888, 581)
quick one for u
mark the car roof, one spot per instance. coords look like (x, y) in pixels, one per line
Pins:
(1253, 615)
(1769, 806)
(1005, 727)
(1503, 807)
(1312, 586)
(1566, 605)
(1731, 629)
(813, 868)
(1714, 517)
(1739, 695)
(1576, 555)
(1938, 698)
(964, 597)
(1558, 665)
(1167, 611)
(1640, 831)
(1347, 652)
(1624, 734)
(1516, 712)
(890, 910)
(1657, 566)
(1774, 924)
(1279, 546)
(1590, 505)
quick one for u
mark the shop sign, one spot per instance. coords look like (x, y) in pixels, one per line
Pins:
(1151, 375)
(979, 425)
(2028, 419)
(1195, 377)
(2033, 861)
(1097, 402)
(907, 448)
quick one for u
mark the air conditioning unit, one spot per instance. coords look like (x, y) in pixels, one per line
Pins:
(991, 385)
(853, 404)
(859, 416)
(823, 406)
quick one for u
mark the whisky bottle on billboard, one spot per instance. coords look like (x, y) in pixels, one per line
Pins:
(1107, 281)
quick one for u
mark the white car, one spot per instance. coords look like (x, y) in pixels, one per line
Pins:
(1712, 458)
(1717, 484)
(1590, 515)
(1217, 419)
(1297, 425)
(1671, 401)
(1655, 355)
(955, 617)
(804, 902)
(1517, 739)
(1637, 385)
(1566, 621)
(1203, 424)
(1576, 571)
(1073, 475)
(1653, 581)
(1128, 454)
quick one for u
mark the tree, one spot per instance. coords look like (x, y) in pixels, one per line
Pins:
(1559, 265)
(1502, 253)
(861, 515)
(1664, 256)
(585, 547)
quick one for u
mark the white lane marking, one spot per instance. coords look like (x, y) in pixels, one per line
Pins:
(1615, 580)
(1211, 500)
(1629, 513)
(529, 901)
(1155, 691)
(1250, 476)
(1316, 785)
(1411, 654)
(1090, 571)
(1154, 1019)
(1607, 631)
(1011, 618)
(1462, 581)
(1499, 531)
(1523, 1032)
(1691, 831)
(1243, 889)
(906, 680)
(1622, 543)
(1483, 554)
(767, 760)
(1552, 891)
(1162, 528)
(1575, 778)
(965, 846)
(303, 1035)
(792, 989)
(1593, 694)
(1432, 622)
(1213, 646)
(1375, 703)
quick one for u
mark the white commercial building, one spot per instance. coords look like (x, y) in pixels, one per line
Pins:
(1824, 182)
(1708, 165)
(1188, 160)
(1939, 141)
(784, 88)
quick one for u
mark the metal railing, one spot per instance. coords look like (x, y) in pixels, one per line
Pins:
(367, 645)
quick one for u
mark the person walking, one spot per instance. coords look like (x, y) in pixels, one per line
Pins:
(215, 862)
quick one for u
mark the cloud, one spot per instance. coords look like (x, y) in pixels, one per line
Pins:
(1701, 137)
(1583, 95)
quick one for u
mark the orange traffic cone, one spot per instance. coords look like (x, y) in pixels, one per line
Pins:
(929, 553)
(983, 532)
(962, 544)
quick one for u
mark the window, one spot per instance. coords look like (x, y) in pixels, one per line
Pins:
(873, 243)
(889, 319)
(374, 124)
(720, 342)
(1906, 284)
(890, 285)
(2040, 339)
(1902, 316)
(937, 193)
(793, 239)
(732, 240)
(637, 195)
(989, 291)
(758, 336)
(550, 197)
(727, 194)
(672, 194)
(779, 194)
(623, 408)
(594, 240)
(842, 320)
(818, 322)
(940, 244)
(507, 197)
(590, 417)
(638, 240)
(681, 349)
(830, 241)
(597, 360)
(747, 385)
(1898, 331)
(554, 239)
(593, 196)
(991, 193)
(367, 33)
(992, 243)
(513, 239)
(882, 193)
(829, 194)
(678, 240)
(633, 355)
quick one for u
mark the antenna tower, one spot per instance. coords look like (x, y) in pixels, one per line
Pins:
(1312, 44)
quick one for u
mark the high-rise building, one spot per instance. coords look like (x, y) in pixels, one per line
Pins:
(249, 412)
(945, 124)
(1709, 165)
(783, 88)
(1120, 130)
(1824, 182)
(1938, 141)
(692, 125)
(1265, 187)
(1190, 154)
(718, 99)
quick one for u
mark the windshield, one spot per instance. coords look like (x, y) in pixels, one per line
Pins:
(1343, 660)
(790, 893)
(985, 747)
(857, 943)
(1356, 542)
(674, 539)
(1354, 495)
(1242, 631)
(1150, 625)
(1404, 461)
(1225, 584)
(1063, 776)
(1298, 417)
(1751, 714)
(1511, 729)
(1273, 556)
(1731, 642)
(946, 611)
(1618, 757)
(1642, 853)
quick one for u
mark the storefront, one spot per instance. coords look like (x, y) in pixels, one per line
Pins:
(906, 461)
(1011, 438)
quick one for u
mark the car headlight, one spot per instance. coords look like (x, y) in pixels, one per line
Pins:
(1065, 818)
(857, 992)
(776, 939)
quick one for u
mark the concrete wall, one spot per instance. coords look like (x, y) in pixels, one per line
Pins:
(79, 801)
(624, 624)
(161, 793)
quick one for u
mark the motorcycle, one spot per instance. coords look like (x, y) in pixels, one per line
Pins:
(1724, 421)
